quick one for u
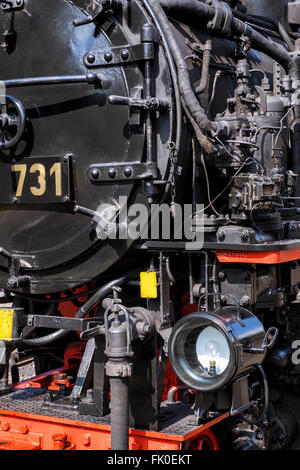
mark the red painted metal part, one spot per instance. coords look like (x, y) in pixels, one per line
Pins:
(206, 441)
(267, 257)
(46, 379)
(27, 431)
(32, 432)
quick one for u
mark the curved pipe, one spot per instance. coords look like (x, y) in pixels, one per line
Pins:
(205, 68)
(205, 13)
(84, 310)
(187, 93)
(173, 72)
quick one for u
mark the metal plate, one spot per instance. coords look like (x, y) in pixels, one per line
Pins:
(36, 180)
(177, 419)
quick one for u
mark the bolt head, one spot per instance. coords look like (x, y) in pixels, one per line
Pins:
(86, 440)
(221, 235)
(244, 235)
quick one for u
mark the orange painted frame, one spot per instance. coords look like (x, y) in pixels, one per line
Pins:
(261, 257)
(24, 431)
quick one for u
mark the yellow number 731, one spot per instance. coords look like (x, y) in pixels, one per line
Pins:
(40, 171)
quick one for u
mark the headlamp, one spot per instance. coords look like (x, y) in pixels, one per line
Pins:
(208, 350)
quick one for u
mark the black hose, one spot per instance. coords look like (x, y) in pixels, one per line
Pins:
(198, 10)
(281, 30)
(84, 310)
(262, 44)
(187, 93)
(266, 22)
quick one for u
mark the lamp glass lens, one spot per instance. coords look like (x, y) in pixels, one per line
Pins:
(212, 350)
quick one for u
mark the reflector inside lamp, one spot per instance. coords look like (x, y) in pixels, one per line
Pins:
(211, 345)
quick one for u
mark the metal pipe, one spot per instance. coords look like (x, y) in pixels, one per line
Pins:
(187, 93)
(119, 413)
(173, 390)
(84, 310)
(173, 71)
(205, 68)
(205, 13)
(169, 272)
(90, 78)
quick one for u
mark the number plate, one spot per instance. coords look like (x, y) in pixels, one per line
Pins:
(43, 180)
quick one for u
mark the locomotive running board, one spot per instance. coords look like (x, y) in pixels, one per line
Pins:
(26, 424)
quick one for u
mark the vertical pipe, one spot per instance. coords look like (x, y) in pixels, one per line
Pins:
(148, 41)
(149, 126)
(119, 413)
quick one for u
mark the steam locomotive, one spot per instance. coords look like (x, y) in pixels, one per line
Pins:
(149, 224)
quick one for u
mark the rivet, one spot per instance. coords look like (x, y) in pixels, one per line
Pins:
(91, 58)
(5, 426)
(86, 439)
(108, 56)
(125, 54)
(128, 171)
(95, 173)
(112, 173)
(23, 429)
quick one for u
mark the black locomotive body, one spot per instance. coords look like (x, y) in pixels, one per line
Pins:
(149, 214)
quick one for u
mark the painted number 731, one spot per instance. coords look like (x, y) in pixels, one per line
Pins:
(41, 173)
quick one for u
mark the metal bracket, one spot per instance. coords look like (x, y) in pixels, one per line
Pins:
(128, 171)
(119, 55)
(65, 323)
(12, 5)
(104, 6)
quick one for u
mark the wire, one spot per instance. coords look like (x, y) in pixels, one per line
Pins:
(258, 70)
(281, 127)
(208, 184)
(218, 74)
(227, 186)
(237, 157)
